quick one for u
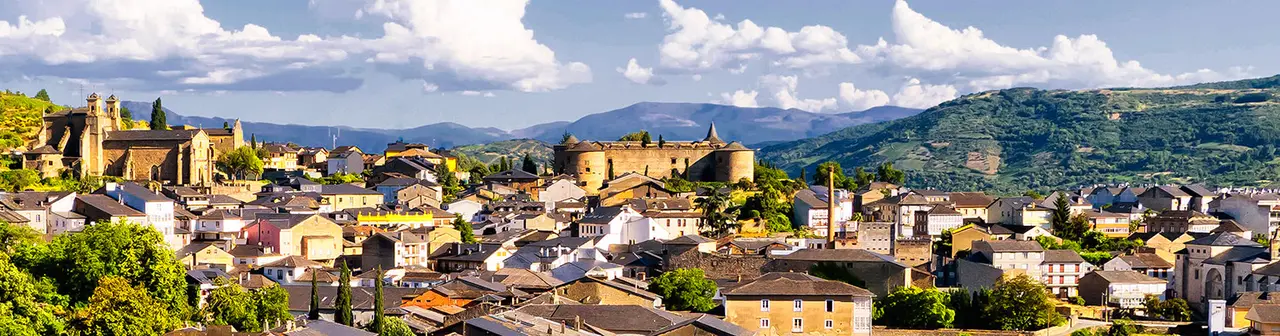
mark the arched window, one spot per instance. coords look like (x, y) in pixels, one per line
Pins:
(155, 173)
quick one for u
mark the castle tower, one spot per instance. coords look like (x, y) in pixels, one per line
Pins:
(734, 162)
(712, 137)
(113, 113)
(588, 162)
(237, 135)
(94, 104)
(96, 125)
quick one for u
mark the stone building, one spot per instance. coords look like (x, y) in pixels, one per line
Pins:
(89, 141)
(710, 159)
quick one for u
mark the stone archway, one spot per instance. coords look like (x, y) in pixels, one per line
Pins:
(1214, 286)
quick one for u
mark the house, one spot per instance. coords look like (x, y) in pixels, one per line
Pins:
(254, 255)
(1258, 212)
(1022, 211)
(518, 179)
(934, 222)
(1165, 198)
(461, 292)
(1078, 204)
(465, 208)
(971, 205)
(561, 189)
(459, 257)
(158, 208)
(395, 149)
(514, 323)
(222, 226)
(631, 186)
(1124, 289)
(1149, 264)
(1062, 270)
(1106, 196)
(36, 207)
(1200, 197)
(1214, 267)
(787, 303)
(362, 302)
(1182, 221)
(287, 270)
(346, 196)
(279, 156)
(1165, 244)
(874, 192)
(611, 319)
(345, 160)
(391, 188)
(1111, 224)
(810, 208)
(1024, 256)
(311, 156)
(601, 290)
(195, 255)
(311, 236)
(411, 167)
(102, 208)
(1240, 304)
(1264, 319)
(677, 216)
(620, 225)
(204, 282)
(752, 246)
(394, 249)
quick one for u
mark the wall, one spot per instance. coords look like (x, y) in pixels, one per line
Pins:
(718, 266)
(586, 289)
(747, 312)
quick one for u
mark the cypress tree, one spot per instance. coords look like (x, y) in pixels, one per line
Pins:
(528, 166)
(802, 179)
(661, 142)
(225, 125)
(253, 141)
(314, 312)
(378, 318)
(342, 304)
(158, 121)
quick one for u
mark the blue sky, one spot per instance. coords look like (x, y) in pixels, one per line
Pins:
(512, 63)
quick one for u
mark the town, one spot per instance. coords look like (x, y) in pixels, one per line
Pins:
(180, 230)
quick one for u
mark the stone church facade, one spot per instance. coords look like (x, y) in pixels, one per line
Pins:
(89, 141)
(710, 159)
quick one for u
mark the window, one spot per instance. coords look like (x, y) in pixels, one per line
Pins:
(828, 324)
(831, 306)
(764, 305)
(999, 255)
(797, 305)
(797, 324)
(764, 323)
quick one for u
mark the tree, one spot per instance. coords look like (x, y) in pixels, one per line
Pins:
(836, 272)
(1033, 194)
(230, 304)
(43, 95)
(862, 178)
(637, 136)
(464, 228)
(528, 166)
(886, 173)
(313, 310)
(943, 245)
(396, 327)
(126, 115)
(917, 308)
(26, 304)
(118, 308)
(272, 305)
(1061, 217)
(1173, 310)
(717, 215)
(225, 125)
(1020, 303)
(15, 235)
(240, 162)
(821, 178)
(158, 122)
(450, 186)
(564, 138)
(379, 317)
(253, 142)
(802, 177)
(685, 289)
(645, 140)
(342, 304)
(18, 179)
(661, 142)
(611, 175)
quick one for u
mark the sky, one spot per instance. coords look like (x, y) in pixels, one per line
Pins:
(512, 64)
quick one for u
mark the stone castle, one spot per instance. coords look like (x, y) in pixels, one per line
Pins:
(710, 159)
(90, 141)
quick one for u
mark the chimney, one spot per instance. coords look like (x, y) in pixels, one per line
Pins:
(831, 208)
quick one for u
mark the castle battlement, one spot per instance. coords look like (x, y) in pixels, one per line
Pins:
(709, 159)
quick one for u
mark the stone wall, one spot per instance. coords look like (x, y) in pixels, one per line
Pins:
(718, 266)
(883, 331)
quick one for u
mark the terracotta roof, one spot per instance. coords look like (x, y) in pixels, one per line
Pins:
(793, 284)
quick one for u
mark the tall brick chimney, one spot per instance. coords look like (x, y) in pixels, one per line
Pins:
(831, 208)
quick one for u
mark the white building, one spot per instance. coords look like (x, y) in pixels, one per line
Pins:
(467, 208)
(620, 225)
(159, 209)
(560, 190)
(1256, 212)
(810, 207)
(288, 269)
(1124, 289)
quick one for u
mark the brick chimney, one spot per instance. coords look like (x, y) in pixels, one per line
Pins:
(831, 209)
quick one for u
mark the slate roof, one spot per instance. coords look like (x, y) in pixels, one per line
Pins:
(1248, 299)
(839, 255)
(1264, 313)
(1126, 277)
(207, 275)
(513, 174)
(1145, 260)
(109, 205)
(1062, 257)
(1198, 190)
(778, 283)
(630, 319)
(285, 221)
(326, 328)
(294, 262)
(971, 199)
(811, 198)
(691, 239)
(1010, 245)
(712, 324)
(345, 189)
(1224, 239)
(601, 215)
(142, 135)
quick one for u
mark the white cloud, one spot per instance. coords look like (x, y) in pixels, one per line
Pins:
(697, 43)
(739, 98)
(783, 90)
(163, 44)
(635, 15)
(860, 100)
(916, 95)
(640, 75)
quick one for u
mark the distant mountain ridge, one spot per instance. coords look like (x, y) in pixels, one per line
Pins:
(674, 121)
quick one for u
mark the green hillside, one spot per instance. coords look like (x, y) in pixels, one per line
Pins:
(20, 119)
(1008, 141)
(512, 149)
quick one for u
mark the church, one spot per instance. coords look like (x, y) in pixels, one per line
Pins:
(89, 141)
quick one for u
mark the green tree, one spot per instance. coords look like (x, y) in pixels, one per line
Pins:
(396, 327)
(464, 228)
(158, 121)
(528, 166)
(230, 304)
(717, 214)
(661, 142)
(18, 179)
(313, 310)
(685, 289)
(1033, 194)
(241, 162)
(25, 304)
(272, 305)
(43, 95)
(450, 186)
(886, 173)
(610, 173)
(821, 178)
(835, 272)
(1061, 217)
(637, 136)
(942, 246)
(916, 308)
(1020, 303)
(118, 308)
(379, 317)
(564, 138)
(645, 140)
(342, 304)
(862, 178)
(15, 235)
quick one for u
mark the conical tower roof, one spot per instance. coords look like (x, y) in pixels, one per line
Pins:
(570, 140)
(712, 137)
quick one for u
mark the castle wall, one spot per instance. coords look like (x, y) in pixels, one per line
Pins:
(660, 161)
(732, 166)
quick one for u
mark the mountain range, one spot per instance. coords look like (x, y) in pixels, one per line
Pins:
(1009, 141)
(674, 121)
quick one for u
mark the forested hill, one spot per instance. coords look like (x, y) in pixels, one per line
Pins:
(1008, 141)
